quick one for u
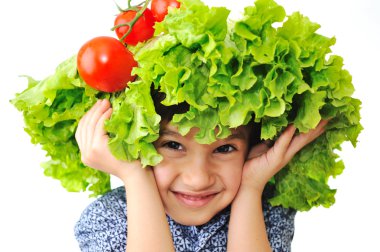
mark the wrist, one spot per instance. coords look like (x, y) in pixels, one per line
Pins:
(134, 172)
(252, 187)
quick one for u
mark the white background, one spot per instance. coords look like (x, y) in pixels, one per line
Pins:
(37, 214)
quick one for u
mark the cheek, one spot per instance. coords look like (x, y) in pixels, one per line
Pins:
(164, 176)
(232, 178)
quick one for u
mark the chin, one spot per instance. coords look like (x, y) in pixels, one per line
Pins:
(195, 216)
(192, 220)
(192, 217)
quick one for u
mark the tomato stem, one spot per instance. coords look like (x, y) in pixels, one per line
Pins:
(139, 12)
(118, 7)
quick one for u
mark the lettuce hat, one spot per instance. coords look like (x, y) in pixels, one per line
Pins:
(268, 65)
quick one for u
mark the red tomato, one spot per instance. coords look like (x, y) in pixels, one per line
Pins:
(160, 8)
(105, 64)
(142, 30)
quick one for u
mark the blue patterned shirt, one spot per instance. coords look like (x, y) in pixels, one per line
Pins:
(103, 226)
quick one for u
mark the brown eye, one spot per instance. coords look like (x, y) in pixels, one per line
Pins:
(173, 145)
(227, 148)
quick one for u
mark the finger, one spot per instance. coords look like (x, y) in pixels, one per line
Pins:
(281, 145)
(100, 133)
(84, 125)
(93, 118)
(304, 139)
(98, 111)
(78, 136)
(80, 131)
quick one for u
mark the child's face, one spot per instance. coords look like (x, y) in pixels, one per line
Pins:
(196, 181)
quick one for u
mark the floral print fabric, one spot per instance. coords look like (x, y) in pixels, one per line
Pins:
(103, 227)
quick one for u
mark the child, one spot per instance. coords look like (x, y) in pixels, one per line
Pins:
(199, 198)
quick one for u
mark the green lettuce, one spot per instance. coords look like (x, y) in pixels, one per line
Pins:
(51, 109)
(268, 65)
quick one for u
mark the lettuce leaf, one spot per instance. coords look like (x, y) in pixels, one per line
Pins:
(268, 65)
(51, 109)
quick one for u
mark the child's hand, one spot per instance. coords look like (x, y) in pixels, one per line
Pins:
(140, 185)
(263, 161)
(247, 230)
(93, 143)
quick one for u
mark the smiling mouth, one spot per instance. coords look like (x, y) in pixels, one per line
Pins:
(194, 201)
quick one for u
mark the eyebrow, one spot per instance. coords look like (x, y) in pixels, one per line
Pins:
(169, 132)
(235, 135)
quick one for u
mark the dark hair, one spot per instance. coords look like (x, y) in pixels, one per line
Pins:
(167, 113)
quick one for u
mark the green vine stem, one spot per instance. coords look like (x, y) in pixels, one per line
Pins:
(139, 11)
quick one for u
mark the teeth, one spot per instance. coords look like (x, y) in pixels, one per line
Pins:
(193, 197)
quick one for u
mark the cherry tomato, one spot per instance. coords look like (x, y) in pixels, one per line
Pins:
(142, 30)
(105, 64)
(160, 8)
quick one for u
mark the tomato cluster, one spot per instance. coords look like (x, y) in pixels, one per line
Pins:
(105, 63)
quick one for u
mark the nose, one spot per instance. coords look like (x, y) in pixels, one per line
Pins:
(198, 175)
